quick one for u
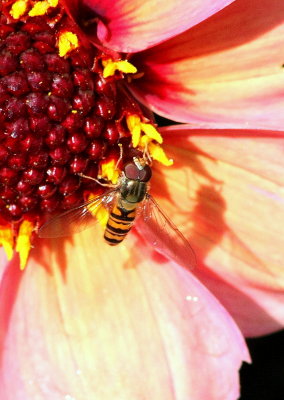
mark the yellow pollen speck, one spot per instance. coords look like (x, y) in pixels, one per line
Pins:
(19, 8)
(74, 111)
(109, 171)
(98, 211)
(123, 66)
(157, 153)
(23, 244)
(7, 240)
(67, 42)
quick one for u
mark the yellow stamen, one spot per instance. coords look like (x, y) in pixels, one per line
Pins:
(23, 244)
(40, 8)
(109, 69)
(123, 66)
(109, 171)
(157, 153)
(53, 3)
(151, 132)
(19, 8)
(134, 126)
(7, 241)
(126, 67)
(67, 42)
(98, 211)
(144, 141)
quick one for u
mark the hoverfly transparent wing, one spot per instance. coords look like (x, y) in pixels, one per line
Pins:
(163, 235)
(76, 219)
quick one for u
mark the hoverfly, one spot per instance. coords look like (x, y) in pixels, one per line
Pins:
(128, 201)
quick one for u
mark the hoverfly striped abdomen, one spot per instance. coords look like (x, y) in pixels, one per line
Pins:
(119, 224)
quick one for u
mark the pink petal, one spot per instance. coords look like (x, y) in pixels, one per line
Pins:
(99, 322)
(131, 26)
(228, 69)
(225, 192)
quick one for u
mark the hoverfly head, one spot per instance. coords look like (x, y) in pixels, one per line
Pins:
(138, 170)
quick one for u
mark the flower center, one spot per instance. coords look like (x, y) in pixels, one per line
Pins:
(64, 110)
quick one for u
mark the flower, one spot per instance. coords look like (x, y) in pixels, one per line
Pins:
(224, 73)
(124, 322)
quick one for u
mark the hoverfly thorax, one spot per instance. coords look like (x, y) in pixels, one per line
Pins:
(134, 181)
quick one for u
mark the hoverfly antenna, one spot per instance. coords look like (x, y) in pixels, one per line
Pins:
(138, 163)
(120, 155)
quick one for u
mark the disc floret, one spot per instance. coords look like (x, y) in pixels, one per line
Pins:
(65, 110)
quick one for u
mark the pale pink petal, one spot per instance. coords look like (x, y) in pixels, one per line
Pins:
(228, 69)
(89, 321)
(135, 25)
(3, 261)
(225, 191)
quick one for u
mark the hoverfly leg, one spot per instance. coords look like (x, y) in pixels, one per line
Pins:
(109, 185)
(146, 155)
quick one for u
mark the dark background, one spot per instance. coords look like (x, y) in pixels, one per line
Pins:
(264, 378)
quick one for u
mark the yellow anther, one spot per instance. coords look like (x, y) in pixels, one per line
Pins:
(98, 211)
(144, 141)
(109, 171)
(109, 68)
(40, 8)
(123, 66)
(23, 244)
(67, 42)
(7, 241)
(136, 134)
(126, 67)
(53, 3)
(157, 153)
(134, 125)
(19, 8)
(151, 132)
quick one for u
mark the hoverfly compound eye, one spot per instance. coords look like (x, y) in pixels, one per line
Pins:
(145, 173)
(131, 171)
(134, 173)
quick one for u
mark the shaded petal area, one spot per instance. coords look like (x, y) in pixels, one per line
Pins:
(135, 25)
(228, 69)
(226, 192)
(111, 323)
